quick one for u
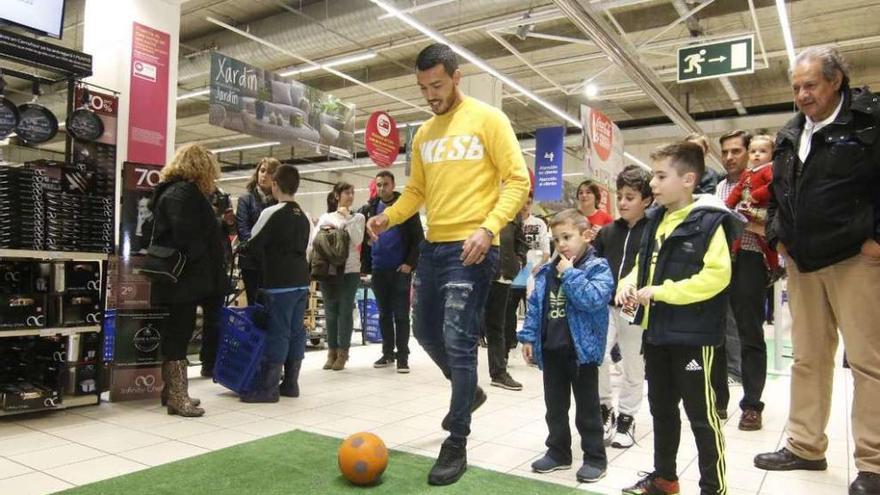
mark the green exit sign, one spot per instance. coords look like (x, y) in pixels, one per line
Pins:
(713, 60)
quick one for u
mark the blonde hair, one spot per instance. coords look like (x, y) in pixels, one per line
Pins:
(764, 137)
(700, 139)
(571, 217)
(193, 163)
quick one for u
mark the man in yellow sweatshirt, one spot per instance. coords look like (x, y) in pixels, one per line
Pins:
(469, 173)
(681, 281)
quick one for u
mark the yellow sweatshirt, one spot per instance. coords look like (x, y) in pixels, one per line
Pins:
(706, 284)
(459, 162)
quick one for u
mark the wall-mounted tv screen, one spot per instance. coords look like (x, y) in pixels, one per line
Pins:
(42, 16)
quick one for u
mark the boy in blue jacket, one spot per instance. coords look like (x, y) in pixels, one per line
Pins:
(564, 332)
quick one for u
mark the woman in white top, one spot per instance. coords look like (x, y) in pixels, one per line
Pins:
(339, 291)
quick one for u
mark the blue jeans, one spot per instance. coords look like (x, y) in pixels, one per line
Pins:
(449, 300)
(391, 288)
(285, 335)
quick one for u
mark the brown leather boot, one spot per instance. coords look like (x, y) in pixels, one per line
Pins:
(178, 401)
(331, 358)
(341, 359)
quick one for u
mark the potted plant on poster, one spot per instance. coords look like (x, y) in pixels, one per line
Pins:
(260, 103)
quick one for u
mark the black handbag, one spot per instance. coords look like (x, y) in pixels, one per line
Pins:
(162, 264)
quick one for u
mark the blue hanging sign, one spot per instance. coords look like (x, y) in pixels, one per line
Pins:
(548, 163)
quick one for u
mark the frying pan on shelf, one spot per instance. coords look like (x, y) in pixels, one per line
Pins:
(83, 124)
(8, 112)
(37, 124)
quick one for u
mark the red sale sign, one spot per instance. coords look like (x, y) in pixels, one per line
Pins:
(148, 115)
(382, 139)
(601, 134)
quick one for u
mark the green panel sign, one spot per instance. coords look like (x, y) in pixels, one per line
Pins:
(713, 60)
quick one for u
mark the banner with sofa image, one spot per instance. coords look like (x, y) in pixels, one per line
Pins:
(263, 104)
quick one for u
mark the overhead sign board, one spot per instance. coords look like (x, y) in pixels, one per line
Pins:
(713, 60)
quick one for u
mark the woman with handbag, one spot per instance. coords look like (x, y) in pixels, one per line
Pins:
(186, 227)
(257, 198)
(340, 285)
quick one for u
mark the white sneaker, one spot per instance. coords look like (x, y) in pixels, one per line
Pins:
(609, 423)
(625, 436)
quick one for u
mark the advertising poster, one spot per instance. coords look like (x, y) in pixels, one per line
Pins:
(263, 104)
(603, 143)
(136, 227)
(382, 139)
(548, 163)
(148, 117)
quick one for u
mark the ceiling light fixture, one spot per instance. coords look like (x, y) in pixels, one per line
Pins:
(470, 57)
(193, 94)
(591, 91)
(786, 31)
(416, 8)
(245, 147)
(358, 57)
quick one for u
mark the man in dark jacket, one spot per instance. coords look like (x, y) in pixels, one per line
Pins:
(391, 259)
(824, 218)
(512, 257)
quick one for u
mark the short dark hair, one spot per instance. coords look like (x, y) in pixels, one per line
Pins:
(387, 175)
(593, 187)
(637, 178)
(746, 137)
(571, 217)
(332, 200)
(684, 156)
(438, 53)
(287, 178)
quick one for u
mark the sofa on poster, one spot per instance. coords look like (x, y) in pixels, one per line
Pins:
(263, 104)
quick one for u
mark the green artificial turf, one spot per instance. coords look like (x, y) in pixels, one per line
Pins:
(302, 463)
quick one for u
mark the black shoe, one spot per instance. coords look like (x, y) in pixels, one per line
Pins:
(548, 464)
(267, 385)
(506, 382)
(450, 464)
(785, 460)
(290, 384)
(384, 362)
(865, 484)
(722, 412)
(589, 474)
(479, 399)
(402, 366)
(207, 370)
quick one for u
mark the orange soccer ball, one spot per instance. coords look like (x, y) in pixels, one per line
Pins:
(363, 458)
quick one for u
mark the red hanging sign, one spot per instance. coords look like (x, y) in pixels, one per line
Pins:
(382, 139)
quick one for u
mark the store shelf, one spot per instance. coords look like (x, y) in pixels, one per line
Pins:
(49, 332)
(67, 402)
(53, 255)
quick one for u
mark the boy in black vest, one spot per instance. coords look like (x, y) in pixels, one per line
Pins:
(680, 283)
(280, 241)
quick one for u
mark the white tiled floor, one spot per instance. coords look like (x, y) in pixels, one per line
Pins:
(50, 452)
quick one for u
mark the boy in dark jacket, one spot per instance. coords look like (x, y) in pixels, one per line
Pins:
(618, 242)
(564, 332)
(391, 260)
(681, 281)
(512, 257)
(279, 241)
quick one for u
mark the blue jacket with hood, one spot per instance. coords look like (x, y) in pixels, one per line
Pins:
(588, 288)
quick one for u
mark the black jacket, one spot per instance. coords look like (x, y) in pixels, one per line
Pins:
(184, 220)
(619, 244)
(824, 214)
(513, 249)
(413, 235)
(250, 205)
(279, 243)
(680, 257)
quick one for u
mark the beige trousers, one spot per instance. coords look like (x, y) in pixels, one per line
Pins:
(845, 295)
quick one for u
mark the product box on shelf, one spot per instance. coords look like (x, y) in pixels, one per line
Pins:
(77, 275)
(26, 310)
(25, 396)
(78, 308)
(82, 379)
(24, 276)
(135, 382)
(137, 335)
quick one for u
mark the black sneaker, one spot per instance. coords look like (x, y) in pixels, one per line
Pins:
(506, 382)
(450, 464)
(479, 398)
(626, 432)
(402, 366)
(548, 464)
(609, 423)
(384, 362)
